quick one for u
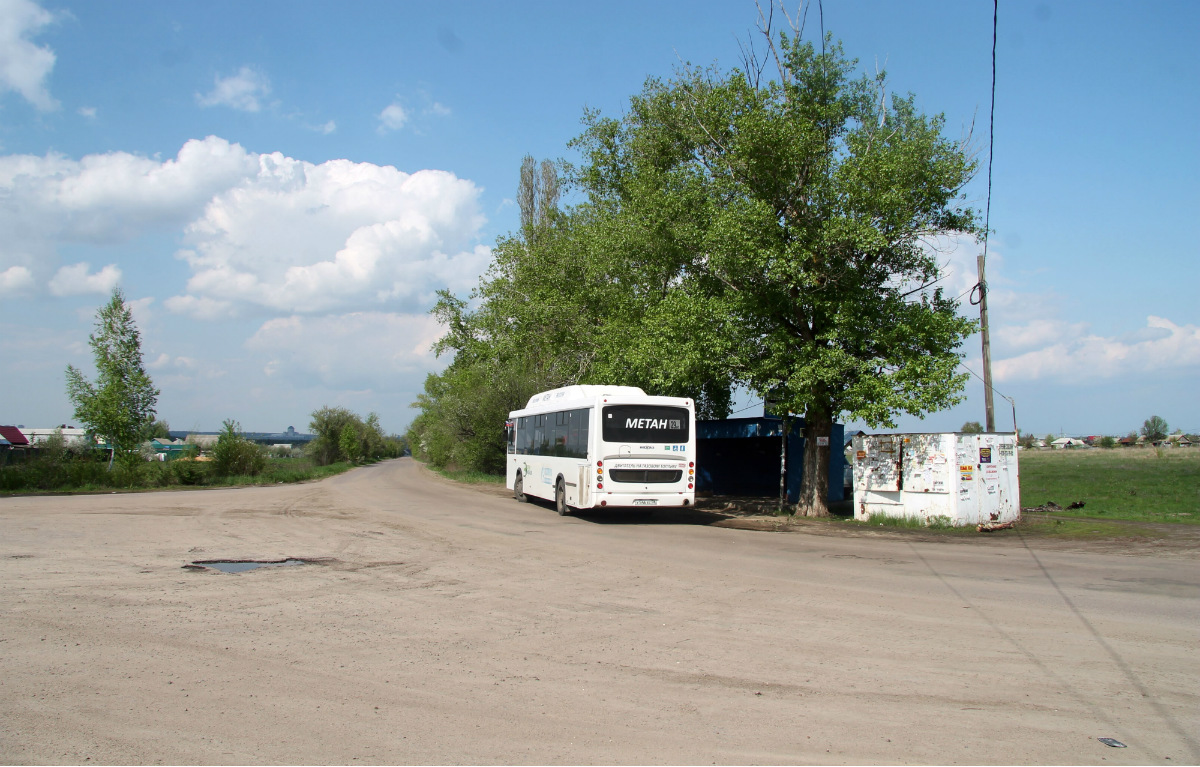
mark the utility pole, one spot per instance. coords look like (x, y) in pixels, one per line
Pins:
(987, 349)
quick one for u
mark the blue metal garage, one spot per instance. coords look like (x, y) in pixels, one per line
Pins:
(740, 456)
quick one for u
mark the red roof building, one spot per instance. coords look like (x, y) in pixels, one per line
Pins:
(14, 436)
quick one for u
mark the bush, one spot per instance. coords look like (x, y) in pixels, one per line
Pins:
(189, 472)
(234, 455)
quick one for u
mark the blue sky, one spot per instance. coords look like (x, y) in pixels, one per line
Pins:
(280, 188)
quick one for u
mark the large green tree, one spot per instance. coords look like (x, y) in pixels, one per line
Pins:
(119, 406)
(790, 222)
(1154, 428)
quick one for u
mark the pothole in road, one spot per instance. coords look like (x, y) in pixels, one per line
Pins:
(242, 565)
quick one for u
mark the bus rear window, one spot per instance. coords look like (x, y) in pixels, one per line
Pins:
(645, 423)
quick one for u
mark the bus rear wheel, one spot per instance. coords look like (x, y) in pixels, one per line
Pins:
(519, 489)
(560, 500)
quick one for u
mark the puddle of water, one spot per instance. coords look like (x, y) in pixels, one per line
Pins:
(231, 566)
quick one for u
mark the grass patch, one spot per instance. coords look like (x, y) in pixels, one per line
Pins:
(1042, 526)
(1137, 484)
(470, 476)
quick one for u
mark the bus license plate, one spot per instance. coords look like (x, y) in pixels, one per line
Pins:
(645, 501)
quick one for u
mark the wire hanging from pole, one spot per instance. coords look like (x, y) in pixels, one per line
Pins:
(979, 289)
(987, 219)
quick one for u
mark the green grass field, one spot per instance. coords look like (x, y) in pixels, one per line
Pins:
(1139, 484)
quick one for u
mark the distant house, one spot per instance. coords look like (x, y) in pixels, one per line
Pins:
(71, 435)
(14, 436)
(11, 441)
(1179, 440)
(1127, 442)
(1064, 443)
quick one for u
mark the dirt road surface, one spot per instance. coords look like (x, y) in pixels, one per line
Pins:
(441, 624)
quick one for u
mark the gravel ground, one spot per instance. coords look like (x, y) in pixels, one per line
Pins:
(438, 623)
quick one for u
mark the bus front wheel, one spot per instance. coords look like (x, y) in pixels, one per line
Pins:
(519, 489)
(560, 500)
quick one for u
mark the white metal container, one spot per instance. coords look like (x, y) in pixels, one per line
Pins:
(962, 479)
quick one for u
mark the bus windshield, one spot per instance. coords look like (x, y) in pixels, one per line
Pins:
(645, 423)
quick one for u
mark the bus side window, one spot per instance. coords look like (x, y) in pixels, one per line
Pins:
(577, 421)
(523, 435)
(584, 417)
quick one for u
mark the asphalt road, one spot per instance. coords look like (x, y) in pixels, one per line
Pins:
(441, 624)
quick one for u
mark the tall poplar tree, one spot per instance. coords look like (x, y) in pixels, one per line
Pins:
(119, 407)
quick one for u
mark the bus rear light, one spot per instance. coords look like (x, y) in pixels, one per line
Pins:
(603, 503)
(689, 486)
(691, 464)
(599, 485)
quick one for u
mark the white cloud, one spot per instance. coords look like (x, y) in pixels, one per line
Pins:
(87, 112)
(304, 238)
(166, 363)
(359, 350)
(261, 230)
(25, 67)
(241, 91)
(15, 279)
(53, 201)
(1161, 346)
(441, 110)
(327, 128)
(1037, 333)
(107, 198)
(392, 118)
(199, 308)
(77, 279)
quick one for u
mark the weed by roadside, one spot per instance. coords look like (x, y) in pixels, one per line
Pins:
(470, 476)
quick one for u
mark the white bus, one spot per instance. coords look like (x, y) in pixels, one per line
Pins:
(587, 447)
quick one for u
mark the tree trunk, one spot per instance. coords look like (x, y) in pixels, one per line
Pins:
(814, 484)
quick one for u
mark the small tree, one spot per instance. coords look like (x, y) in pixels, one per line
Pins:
(1108, 442)
(328, 424)
(1154, 429)
(120, 406)
(349, 443)
(160, 429)
(972, 427)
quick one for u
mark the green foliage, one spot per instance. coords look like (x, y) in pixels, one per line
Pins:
(1155, 429)
(343, 436)
(187, 471)
(972, 427)
(463, 412)
(234, 455)
(120, 405)
(349, 443)
(159, 429)
(87, 472)
(1108, 442)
